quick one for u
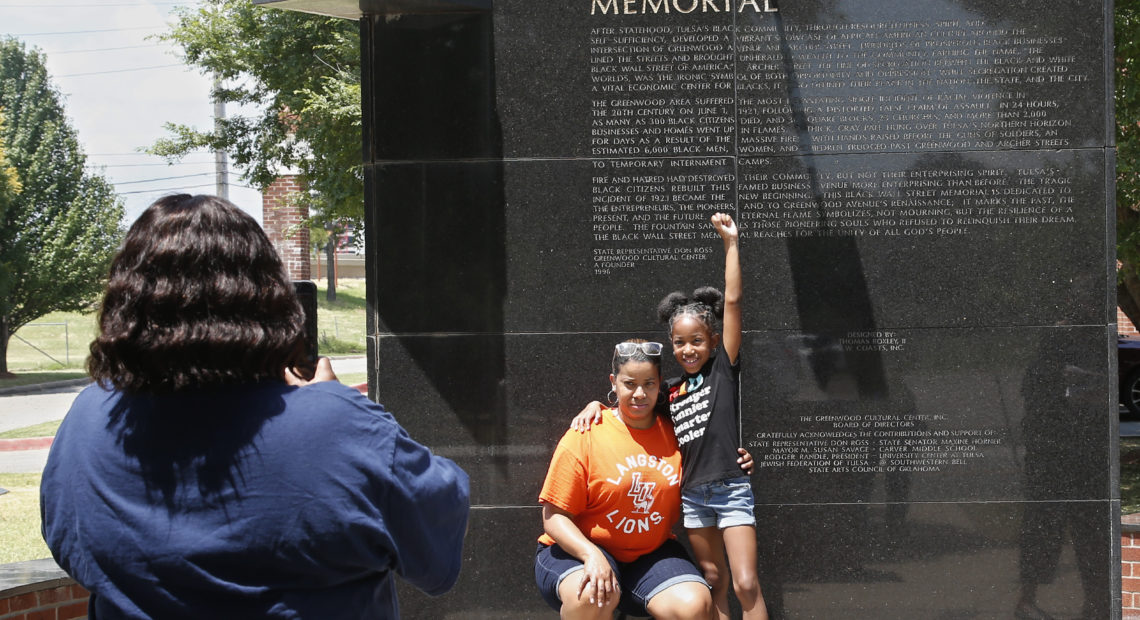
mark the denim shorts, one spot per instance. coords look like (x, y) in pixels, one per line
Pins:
(640, 580)
(723, 503)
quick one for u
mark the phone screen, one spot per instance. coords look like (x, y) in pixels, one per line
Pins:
(307, 295)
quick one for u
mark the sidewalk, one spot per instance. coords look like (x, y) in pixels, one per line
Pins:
(44, 388)
(28, 405)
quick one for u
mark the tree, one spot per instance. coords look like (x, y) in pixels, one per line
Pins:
(60, 225)
(9, 180)
(1127, 106)
(302, 73)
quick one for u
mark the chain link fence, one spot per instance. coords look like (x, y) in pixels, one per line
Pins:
(51, 344)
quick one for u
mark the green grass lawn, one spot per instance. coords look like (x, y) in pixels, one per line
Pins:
(341, 324)
(20, 538)
(53, 342)
(43, 429)
(353, 378)
(40, 376)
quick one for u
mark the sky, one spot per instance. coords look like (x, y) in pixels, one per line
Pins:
(120, 88)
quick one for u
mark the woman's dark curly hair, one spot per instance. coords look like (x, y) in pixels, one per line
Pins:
(197, 298)
(706, 304)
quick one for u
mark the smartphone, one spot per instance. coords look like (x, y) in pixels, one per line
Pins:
(307, 294)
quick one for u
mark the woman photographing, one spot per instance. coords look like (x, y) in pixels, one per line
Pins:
(211, 471)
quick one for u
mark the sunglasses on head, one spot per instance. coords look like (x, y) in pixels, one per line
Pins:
(626, 349)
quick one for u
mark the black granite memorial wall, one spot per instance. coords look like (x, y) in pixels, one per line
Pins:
(923, 190)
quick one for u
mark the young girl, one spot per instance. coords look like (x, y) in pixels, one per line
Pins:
(703, 404)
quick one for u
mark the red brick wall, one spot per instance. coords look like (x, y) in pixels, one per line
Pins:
(1130, 574)
(282, 219)
(62, 602)
(1123, 325)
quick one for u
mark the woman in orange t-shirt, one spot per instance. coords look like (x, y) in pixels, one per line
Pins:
(610, 500)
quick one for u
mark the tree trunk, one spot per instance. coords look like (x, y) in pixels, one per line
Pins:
(4, 336)
(330, 256)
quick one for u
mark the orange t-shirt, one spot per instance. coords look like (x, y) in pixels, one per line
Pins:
(622, 484)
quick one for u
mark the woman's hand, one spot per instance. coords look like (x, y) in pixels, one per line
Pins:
(324, 372)
(597, 579)
(745, 460)
(590, 415)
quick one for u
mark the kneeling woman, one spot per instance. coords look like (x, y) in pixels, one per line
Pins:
(610, 500)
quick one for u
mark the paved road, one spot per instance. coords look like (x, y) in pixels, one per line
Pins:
(23, 461)
(20, 410)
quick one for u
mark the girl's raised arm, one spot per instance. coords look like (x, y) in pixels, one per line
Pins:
(732, 336)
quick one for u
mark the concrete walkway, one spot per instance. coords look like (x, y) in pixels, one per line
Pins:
(32, 406)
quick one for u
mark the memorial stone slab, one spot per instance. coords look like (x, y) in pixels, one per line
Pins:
(923, 190)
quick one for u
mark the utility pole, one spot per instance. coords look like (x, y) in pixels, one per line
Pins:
(220, 160)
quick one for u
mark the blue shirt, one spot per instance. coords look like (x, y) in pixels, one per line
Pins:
(254, 501)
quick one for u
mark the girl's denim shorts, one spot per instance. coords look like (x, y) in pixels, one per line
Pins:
(723, 503)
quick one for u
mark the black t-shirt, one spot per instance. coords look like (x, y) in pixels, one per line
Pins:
(704, 409)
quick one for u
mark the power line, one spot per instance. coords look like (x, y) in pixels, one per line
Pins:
(183, 176)
(103, 49)
(177, 163)
(46, 34)
(148, 156)
(86, 5)
(127, 154)
(120, 70)
(170, 190)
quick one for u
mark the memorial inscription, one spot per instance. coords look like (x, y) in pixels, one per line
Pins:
(888, 438)
(903, 86)
(656, 210)
(873, 443)
(916, 202)
(662, 90)
(743, 90)
(772, 88)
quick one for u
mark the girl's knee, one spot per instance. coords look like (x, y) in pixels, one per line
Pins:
(745, 577)
(715, 576)
(715, 573)
(747, 590)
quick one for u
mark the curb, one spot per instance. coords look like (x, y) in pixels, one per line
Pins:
(38, 388)
(25, 443)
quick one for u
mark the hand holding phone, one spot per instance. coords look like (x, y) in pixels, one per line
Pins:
(307, 294)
